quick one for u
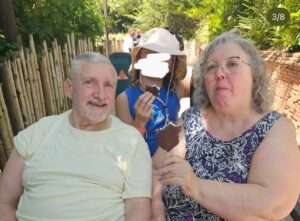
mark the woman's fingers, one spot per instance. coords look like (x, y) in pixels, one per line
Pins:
(178, 172)
(172, 181)
(173, 166)
(172, 158)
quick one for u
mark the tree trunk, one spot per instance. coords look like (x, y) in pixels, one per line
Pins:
(8, 20)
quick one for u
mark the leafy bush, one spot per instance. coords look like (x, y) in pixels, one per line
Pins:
(6, 48)
(122, 14)
(254, 24)
(167, 13)
(49, 19)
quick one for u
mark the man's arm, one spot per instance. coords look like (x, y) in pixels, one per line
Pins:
(11, 187)
(137, 209)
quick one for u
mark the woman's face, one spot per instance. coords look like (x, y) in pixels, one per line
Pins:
(228, 78)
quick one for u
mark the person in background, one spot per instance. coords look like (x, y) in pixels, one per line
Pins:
(241, 161)
(137, 37)
(59, 169)
(150, 112)
(128, 42)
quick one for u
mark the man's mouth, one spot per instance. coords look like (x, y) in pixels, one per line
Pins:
(97, 104)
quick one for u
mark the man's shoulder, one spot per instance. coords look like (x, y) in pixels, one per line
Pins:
(49, 120)
(127, 140)
(29, 140)
(120, 125)
(45, 123)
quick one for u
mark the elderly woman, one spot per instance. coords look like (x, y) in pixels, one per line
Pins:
(241, 161)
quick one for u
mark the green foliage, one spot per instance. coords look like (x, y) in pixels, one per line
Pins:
(255, 25)
(167, 13)
(200, 19)
(122, 14)
(6, 48)
(48, 19)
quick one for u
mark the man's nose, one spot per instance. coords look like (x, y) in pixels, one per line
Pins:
(99, 92)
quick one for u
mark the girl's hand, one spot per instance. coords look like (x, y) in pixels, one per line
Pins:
(143, 109)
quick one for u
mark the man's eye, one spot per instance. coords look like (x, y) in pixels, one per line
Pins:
(87, 82)
(109, 85)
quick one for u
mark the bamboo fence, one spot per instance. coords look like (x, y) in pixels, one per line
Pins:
(32, 86)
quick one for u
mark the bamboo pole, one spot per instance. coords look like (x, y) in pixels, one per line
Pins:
(19, 91)
(63, 77)
(79, 47)
(48, 71)
(5, 126)
(88, 44)
(55, 86)
(46, 54)
(33, 64)
(92, 45)
(66, 60)
(26, 113)
(14, 106)
(30, 84)
(69, 46)
(85, 45)
(67, 66)
(82, 46)
(3, 157)
(27, 85)
(58, 76)
(73, 45)
(34, 90)
(35, 85)
(40, 96)
(61, 61)
(46, 87)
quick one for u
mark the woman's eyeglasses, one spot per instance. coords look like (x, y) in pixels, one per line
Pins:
(230, 65)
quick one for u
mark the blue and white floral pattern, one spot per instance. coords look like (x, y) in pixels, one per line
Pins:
(213, 159)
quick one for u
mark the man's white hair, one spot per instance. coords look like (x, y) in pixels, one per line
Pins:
(91, 57)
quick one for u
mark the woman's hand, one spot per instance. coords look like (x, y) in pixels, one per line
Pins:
(177, 171)
(157, 205)
(143, 109)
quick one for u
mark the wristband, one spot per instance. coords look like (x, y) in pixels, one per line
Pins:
(142, 130)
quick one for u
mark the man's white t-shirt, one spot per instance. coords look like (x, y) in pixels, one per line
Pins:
(76, 175)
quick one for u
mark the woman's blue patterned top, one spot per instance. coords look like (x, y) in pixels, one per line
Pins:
(213, 159)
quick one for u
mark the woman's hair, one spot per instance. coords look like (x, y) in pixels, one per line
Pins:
(261, 94)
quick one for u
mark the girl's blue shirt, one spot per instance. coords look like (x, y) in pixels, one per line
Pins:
(161, 107)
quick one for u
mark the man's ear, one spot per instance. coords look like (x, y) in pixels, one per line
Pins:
(68, 88)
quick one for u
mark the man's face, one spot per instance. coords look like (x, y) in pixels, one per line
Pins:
(92, 91)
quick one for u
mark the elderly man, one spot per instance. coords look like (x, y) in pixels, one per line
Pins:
(81, 165)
